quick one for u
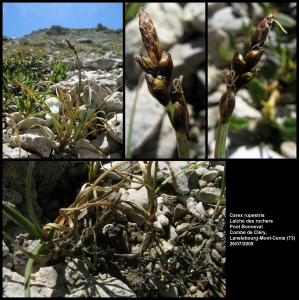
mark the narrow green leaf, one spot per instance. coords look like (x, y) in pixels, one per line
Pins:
(29, 202)
(28, 270)
(19, 219)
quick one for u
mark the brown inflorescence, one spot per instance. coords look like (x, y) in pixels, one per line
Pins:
(260, 34)
(166, 66)
(71, 46)
(181, 114)
(147, 65)
(149, 36)
(158, 89)
(158, 67)
(226, 105)
(242, 71)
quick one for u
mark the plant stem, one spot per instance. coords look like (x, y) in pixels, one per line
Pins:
(28, 271)
(29, 201)
(79, 69)
(182, 143)
(181, 137)
(221, 135)
(129, 138)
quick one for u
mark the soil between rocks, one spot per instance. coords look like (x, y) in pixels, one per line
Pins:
(189, 278)
(188, 268)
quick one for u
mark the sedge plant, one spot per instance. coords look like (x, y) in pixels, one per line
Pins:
(241, 74)
(64, 237)
(150, 182)
(70, 125)
(158, 67)
(32, 228)
(61, 238)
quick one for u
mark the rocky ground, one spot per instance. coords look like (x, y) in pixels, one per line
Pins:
(184, 256)
(181, 30)
(100, 55)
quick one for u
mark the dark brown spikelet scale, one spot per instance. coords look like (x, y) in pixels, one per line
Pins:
(181, 114)
(158, 89)
(226, 106)
(260, 34)
(252, 58)
(149, 36)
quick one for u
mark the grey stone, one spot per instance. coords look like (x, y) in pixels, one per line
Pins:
(84, 149)
(208, 195)
(164, 221)
(5, 250)
(172, 233)
(16, 116)
(194, 17)
(27, 123)
(75, 282)
(40, 144)
(166, 211)
(210, 176)
(179, 212)
(289, 149)
(102, 63)
(217, 257)
(114, 103)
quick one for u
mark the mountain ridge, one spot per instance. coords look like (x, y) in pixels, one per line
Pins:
(97, 40)
(59, 30)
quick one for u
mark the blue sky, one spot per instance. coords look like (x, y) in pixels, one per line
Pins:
(22, 18)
